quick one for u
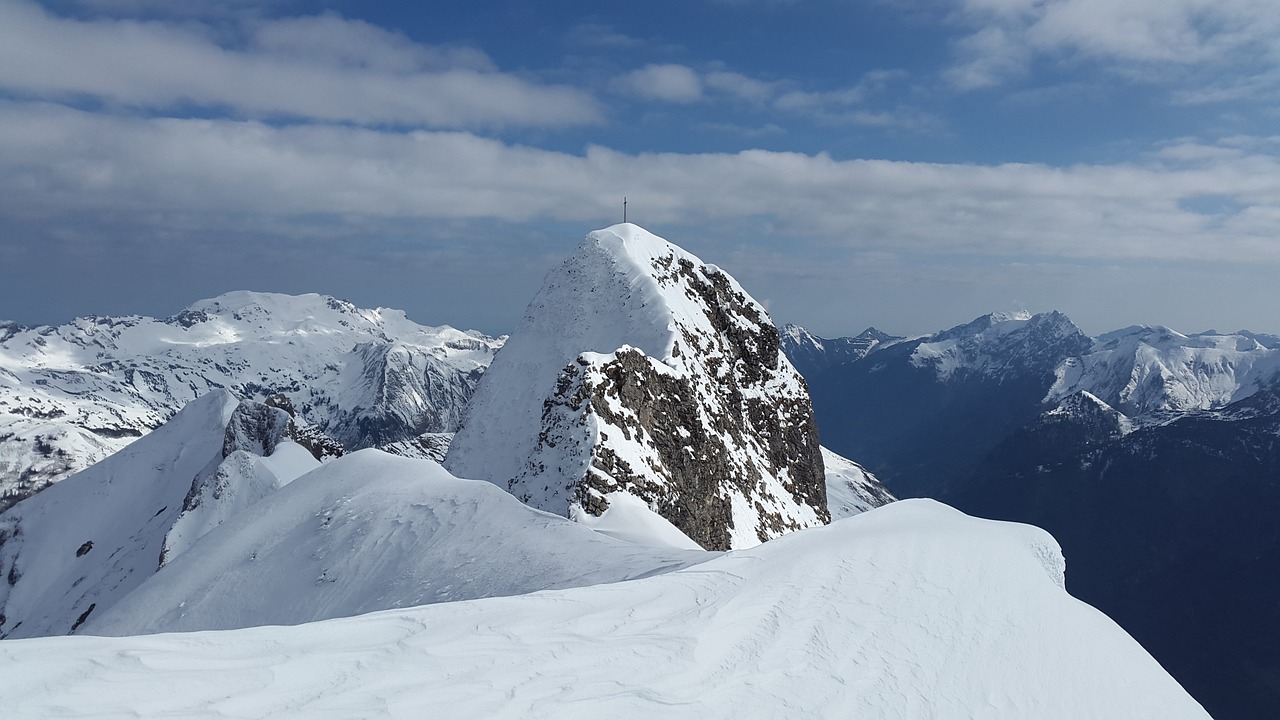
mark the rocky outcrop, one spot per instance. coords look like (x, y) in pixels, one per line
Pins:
(255, 431)
(639, 369)
(256, 428)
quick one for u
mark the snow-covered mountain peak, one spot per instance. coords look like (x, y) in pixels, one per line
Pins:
(640, 369)
(999, 343)
(1149, 370)
(72, 394)
(1006, 316)
(797, 334)
(873, 333)
(666, 288)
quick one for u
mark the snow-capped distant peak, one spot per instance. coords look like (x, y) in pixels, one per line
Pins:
(72, 394)
(1149, 370)
(999, 344)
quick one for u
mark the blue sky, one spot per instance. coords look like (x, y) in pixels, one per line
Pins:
(904, 163)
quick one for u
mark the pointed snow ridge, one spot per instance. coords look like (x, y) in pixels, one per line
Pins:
(85, 543)
(640, 369)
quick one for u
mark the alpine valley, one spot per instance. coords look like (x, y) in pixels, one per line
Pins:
(277, 506)
(1152, 456)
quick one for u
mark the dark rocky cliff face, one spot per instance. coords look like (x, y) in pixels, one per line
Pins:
(692, 463)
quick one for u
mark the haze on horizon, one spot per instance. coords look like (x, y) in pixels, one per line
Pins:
(908, 164)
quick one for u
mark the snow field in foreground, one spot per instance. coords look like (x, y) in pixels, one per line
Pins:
(912, 610)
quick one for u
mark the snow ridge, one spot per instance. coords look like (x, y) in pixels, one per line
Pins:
(851, 488)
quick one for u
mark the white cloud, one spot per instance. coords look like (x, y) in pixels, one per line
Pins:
(741, 86)
(320, 68)
(601, 35)
(1142, 37)
(56, 162)
(329, 39)
(666, 82)
(840, 106)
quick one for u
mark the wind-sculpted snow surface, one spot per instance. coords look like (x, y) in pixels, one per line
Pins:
(639, 369)
(912, 610)
(372, 531)
(72, 394)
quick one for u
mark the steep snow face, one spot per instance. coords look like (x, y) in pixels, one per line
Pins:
(1002, 345)
(72, 394)
(908, 611)
(258, 458)
(851, 488)
(640, 369)
(1154, 370)
(81, 546)
(372, 531)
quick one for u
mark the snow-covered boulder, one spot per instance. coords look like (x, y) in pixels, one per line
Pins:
(640, 370)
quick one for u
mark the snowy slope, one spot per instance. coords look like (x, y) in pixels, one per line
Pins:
(72, 394)
(1146, 370)
(638, 369)
(372, 531)
(851, 488)
(85, 543)
(908, 611)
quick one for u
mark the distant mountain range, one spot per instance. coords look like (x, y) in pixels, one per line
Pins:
(810, 353)
(1153, 456)
(73, 394)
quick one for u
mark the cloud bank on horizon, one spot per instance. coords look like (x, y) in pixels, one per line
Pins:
(908, 163)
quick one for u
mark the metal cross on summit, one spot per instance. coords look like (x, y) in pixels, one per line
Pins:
(624, 208)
